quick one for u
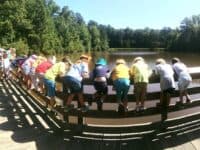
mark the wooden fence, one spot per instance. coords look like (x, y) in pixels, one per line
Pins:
(109, 123)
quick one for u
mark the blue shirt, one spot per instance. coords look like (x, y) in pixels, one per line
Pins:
(77, 70)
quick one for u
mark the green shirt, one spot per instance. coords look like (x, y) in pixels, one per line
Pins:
(139, 72)
(57, 69)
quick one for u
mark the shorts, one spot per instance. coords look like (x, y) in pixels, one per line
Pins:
(167, 83)
(40, 77)
(169, 91)
(183, 84)
(140, 87)
(26, 69)
(51, 87)
(72, 84)
(122, 86)
(101, 87)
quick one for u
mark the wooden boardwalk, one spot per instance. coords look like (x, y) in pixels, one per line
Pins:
(25, 124)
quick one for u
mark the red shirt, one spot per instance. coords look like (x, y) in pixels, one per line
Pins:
(43, 67)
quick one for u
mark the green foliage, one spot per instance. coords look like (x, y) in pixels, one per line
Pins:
(41, 26)
(21, 47)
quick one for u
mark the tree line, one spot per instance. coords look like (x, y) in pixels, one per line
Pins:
(41, 25)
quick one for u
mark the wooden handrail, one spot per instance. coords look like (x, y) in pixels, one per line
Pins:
(110, 114)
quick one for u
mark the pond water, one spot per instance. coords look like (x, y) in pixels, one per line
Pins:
(190, 59)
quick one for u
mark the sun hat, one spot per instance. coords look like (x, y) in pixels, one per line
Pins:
(34, 56)
(175, 60)
(101, 61)
(160, 61)
(120, 61)
(138, 59)
(84, 57)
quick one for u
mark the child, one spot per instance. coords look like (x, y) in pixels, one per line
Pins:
(140, 74)
(184, 79)
(99, 75)
(73, 82)
(121, 83)
(41, 70)
(58, 69)
(6, 66)
(167, 84)
(26, 67)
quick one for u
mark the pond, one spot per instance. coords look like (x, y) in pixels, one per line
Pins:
(190, 59)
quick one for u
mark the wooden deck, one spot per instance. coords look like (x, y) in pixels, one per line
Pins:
(25, 124)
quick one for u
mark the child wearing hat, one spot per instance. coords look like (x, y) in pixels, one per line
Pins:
(167, 84)
(121, 83)
(184, 79)
(58, 69)
(139, 72)
(99, 76)
(72, 82)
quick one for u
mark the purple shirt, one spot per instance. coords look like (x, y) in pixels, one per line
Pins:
(100, 71)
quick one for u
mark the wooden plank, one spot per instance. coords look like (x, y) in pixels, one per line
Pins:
(131, 114)
(194, 138)
(122, 143)
(111, 97)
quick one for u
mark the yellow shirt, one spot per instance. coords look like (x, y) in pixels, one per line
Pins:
(120, 71)
(57, 69)
(139, 72)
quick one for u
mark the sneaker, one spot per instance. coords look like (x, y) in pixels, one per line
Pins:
(137, 109)
(85, 108)
(121, 108)
(126, 109)
(68, 108)
(163, 117)
(52, 103)
(142, 108)
(99, 104)
(188, 101)
(90, 102)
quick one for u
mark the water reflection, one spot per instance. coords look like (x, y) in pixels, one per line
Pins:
(191, 60)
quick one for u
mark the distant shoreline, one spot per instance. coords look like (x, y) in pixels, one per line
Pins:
(137, 49)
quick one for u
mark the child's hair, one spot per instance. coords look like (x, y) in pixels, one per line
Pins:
(66, 59)
(120, 61)
(175, 60)
(138, 59)
(160, 61)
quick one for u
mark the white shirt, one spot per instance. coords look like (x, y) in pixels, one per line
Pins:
(181, 71)
(77, 70)
(6, 63)
(166, 76)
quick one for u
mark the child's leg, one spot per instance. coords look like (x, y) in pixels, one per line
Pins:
(80, 98)
(165, 104)
(143, 93)
(69, 99)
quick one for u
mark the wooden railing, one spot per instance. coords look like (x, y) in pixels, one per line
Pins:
(110, 121)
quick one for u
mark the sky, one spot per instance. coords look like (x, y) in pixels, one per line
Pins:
(135, 14)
